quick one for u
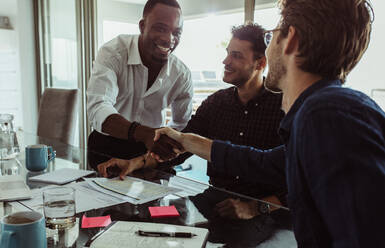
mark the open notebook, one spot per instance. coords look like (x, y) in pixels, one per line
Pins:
(123, 234)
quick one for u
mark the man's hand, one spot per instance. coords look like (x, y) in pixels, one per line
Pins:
(166, 148)
(126, 166)
(163, 146)
(237, 209)
(189, 142)
(166, 138)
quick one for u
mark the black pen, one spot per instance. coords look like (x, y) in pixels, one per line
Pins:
(166, 234)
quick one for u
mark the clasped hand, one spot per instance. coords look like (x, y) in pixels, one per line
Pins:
(167, 144)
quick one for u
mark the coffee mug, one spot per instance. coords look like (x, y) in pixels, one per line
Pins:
(38, 156)
(23, 229)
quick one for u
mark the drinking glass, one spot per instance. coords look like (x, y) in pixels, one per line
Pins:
(59, 211)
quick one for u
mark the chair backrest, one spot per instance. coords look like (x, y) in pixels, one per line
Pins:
(58, 114)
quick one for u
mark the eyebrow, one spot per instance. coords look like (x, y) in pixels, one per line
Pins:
(235, 52)
(166, 26)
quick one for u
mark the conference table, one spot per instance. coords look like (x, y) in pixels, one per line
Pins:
(195, 203)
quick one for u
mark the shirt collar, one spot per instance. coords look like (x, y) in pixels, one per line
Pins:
(135, 59)
(287, 121)
(257, 99)
(133, 52)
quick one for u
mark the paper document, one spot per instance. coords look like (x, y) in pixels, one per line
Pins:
(131, 189)
(61, 176)
(123, 234)
(86, 198)
(13, 188)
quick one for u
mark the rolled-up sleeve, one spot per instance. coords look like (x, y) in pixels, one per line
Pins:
(102, 89)
(253, 165)
(181, 107)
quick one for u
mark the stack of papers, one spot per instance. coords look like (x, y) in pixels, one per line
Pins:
(61, 176)
(131, 189)
(86, 198)
(13, 188)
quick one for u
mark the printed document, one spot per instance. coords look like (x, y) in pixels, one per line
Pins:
(61, 176)
(131, 189)
(86, 198)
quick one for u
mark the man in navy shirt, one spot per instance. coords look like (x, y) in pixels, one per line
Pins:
(334, 145)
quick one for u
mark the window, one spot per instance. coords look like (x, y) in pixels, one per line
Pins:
(204, 52)
(111, 29)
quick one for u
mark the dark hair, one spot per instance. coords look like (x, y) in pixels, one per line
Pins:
(333, 34)
(150, 4)
(253, 33)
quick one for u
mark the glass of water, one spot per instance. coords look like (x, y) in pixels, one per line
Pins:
(59, 207)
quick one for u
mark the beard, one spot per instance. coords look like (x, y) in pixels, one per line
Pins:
(241, 78)
(276, 72)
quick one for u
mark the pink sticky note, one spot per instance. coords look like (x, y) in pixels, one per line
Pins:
(164, 211)
(102, 221)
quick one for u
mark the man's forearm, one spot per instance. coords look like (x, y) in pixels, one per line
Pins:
(116, 126)
(198, 145)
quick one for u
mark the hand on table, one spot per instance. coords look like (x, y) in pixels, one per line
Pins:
(126, 166)
(236, 209)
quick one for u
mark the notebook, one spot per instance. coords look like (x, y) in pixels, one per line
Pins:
(123, 234)
(13, 188)
(61, 176)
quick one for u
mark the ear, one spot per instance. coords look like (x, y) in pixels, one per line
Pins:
(260, 64)
(291, 44)
(141, 25)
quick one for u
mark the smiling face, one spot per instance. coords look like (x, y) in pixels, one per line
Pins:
(160, 33)
(239, 62)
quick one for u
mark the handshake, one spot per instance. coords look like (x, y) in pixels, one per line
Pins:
(167, 144)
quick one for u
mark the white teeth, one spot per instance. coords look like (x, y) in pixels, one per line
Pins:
(163, 49)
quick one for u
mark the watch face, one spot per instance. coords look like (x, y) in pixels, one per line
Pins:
(264, 208)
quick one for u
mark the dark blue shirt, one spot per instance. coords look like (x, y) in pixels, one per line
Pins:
(334, 160)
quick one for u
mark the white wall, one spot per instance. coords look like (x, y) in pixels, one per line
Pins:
(116, 11)
(21, 19)
(368, 74)
(25, 30)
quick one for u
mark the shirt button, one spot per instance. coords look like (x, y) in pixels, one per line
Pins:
(246, 112)
(237, 177)
(241, 133)
(256, 104)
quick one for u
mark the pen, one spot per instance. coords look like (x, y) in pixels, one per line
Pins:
(166, 234)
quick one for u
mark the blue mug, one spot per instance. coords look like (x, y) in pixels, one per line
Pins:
(23, 229)
(38, 156)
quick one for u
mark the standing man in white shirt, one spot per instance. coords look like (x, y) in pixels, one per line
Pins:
(134, 78)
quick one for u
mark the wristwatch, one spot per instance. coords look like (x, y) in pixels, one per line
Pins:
(263, 208)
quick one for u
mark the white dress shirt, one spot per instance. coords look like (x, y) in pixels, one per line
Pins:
(118, 84)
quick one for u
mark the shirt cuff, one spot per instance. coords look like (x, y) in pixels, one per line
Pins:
(218, 154)
(101, 115)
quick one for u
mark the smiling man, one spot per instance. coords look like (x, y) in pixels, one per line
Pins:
(134, 78)
(334, 137)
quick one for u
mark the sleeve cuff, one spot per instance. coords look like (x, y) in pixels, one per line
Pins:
(101, 115)
(218, 154)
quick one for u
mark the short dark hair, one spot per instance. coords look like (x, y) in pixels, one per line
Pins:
(150, 4)
(253, 33)
(333, 34)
